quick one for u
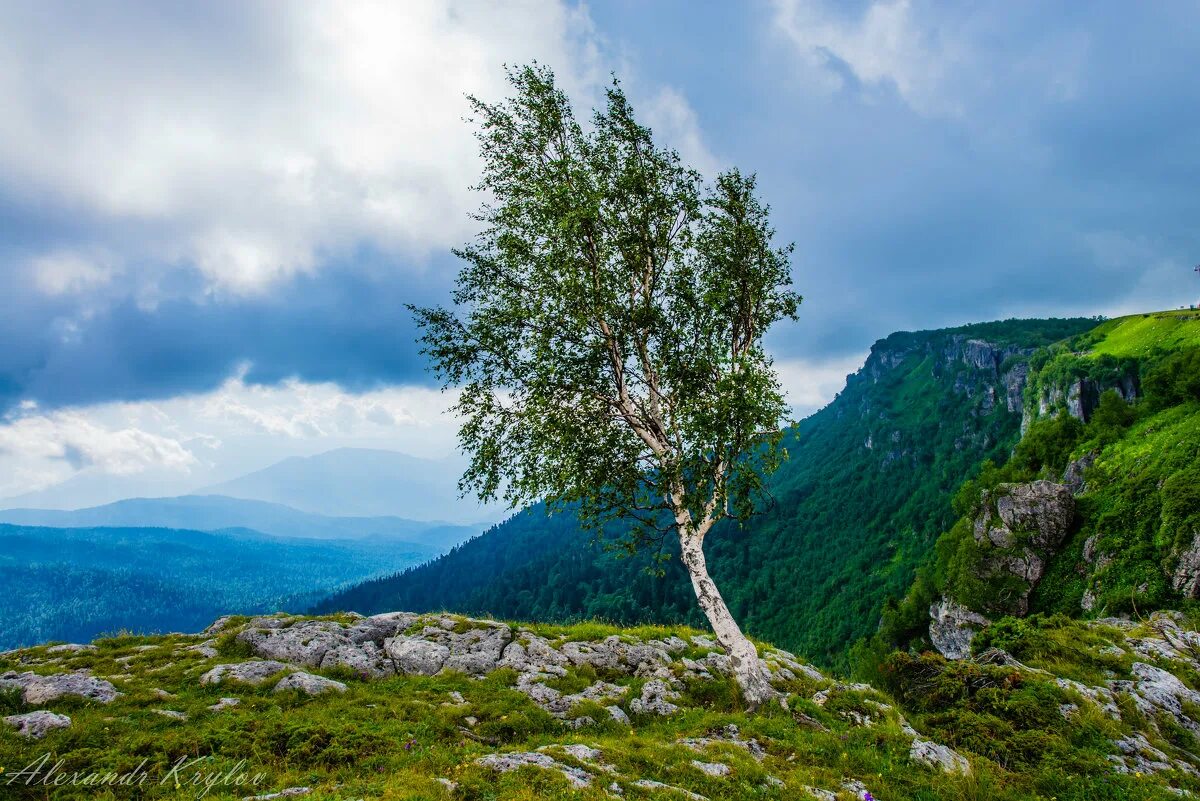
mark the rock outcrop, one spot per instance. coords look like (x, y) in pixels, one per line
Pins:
(254, 672)
(1019, 527)
(37, 725)
(952, 626)
(37, 690)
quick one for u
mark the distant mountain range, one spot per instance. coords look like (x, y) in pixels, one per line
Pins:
(361, 481)
(77, 583)
(216, 512)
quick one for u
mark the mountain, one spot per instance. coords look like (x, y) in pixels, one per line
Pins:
(854, 511)
(215, 512)
(1097, 512)
(75, 583)
(361, 482)
(340, 708)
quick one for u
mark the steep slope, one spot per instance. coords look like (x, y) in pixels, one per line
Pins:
(77, 583)
(400, 706)
(1097, 513)
(215, 512)
(361, 482)
(856, 508)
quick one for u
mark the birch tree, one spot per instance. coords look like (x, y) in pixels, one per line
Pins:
(606, 334)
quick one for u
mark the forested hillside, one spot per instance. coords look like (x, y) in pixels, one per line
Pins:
(864, 495)
(1096, 514)
(75, 584)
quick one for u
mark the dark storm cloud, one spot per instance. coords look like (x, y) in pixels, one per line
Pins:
(338, 326)
(1017, 159)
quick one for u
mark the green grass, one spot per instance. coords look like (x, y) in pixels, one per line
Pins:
(1142, 334)
(393, 738)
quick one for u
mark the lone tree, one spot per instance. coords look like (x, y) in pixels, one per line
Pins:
(607, 335)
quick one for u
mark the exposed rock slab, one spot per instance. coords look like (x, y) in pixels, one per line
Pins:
(37, 725)
(952, 626)
(256, 671)
(37, 690)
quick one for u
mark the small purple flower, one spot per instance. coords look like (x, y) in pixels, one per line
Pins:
(409, 745)
(867, 796)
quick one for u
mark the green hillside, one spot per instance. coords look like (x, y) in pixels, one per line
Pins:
(858, 506)
(1116, 415)
(643, 714)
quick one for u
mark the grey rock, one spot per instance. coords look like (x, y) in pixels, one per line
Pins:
(256, 671)
(69, 648)
(309, 684)
(224, 703)
(655, 699)
(417, 657)
(650, 784)
(219, 625)
(170, 713)
(712, 768)
(1073, 476)
(952, 626)
(1020, 527)
(290, 792)
(616, 713)
(505, 763)
(726, 735)
(37, 725)
(1185, 578)
(302, 643)
(936, 755)
(38, 690)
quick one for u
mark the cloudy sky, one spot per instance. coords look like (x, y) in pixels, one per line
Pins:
(212, 213)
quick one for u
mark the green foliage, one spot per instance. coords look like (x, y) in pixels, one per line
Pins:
(1174, 379)
(844, 528)
(73, 584)
(608, 323)
(393, 738)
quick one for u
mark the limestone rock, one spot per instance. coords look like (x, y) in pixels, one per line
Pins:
(309, 684)
(655, 699)
(224, 703)
(936, 755)
(1185, 578)
(416, 656)
(505, 763)
(952, 626)
(1020, 526)
(712, 768)
(69, 648)
(256, 671)
(38, 690)
(37, 725)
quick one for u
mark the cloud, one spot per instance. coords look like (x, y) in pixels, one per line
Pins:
(192, 440)
(247, 143)
(192, 188)
(45, 449)
(811, 384)
(885, 45)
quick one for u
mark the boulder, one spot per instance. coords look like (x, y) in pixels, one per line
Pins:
(1185, 578)
(37, 725)
(256, 671)
(505, 763)
(952, 626)
(416, 656)
(308, 683)
(1019, 527)
(655, 699)
(69, 648)
(936, 755)
(38, 690)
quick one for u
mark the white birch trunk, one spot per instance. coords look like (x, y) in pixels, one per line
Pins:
(747, 670)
